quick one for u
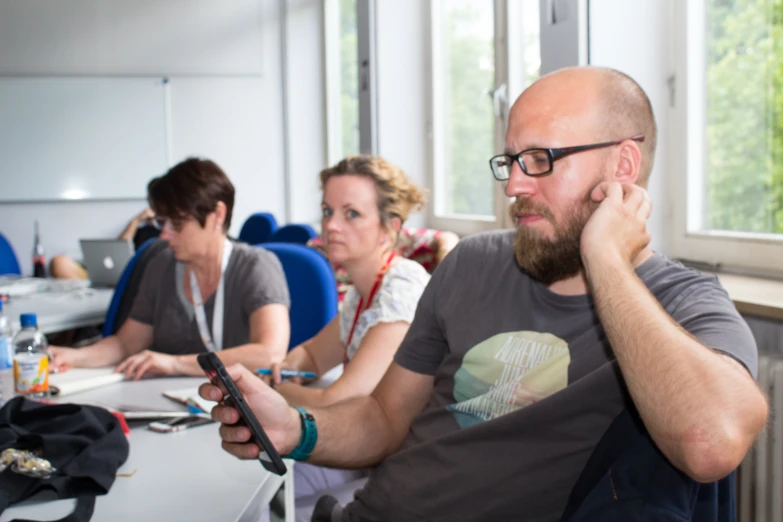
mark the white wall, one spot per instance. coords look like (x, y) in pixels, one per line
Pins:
(305, 99)
(634, 37)
(234, 119)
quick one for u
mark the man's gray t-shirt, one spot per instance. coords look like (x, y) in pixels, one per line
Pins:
(253, 278)
(525, 386)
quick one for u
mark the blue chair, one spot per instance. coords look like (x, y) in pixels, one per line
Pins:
(9, 264)
(312, 288)
(294, 233)
(128, 285)
(258, 228)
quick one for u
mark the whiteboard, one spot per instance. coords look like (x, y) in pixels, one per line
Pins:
(81, 137)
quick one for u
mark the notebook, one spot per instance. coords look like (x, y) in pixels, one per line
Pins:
(81, 379)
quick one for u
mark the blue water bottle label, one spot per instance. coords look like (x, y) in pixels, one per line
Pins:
(6, 353)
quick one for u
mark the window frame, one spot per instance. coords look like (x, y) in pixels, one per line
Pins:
(750, 253)
(368, 134)
(464, 224)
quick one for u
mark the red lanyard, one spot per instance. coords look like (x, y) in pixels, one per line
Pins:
(384, 269)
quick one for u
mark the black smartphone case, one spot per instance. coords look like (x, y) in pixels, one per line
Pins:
(269, 457)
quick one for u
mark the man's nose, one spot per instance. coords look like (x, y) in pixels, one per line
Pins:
(520, 184)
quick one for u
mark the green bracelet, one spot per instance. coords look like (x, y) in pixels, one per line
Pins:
(309, 436)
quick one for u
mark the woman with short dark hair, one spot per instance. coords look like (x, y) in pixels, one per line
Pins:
(203, 292)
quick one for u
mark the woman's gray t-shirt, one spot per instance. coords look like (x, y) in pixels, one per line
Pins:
(254, 278)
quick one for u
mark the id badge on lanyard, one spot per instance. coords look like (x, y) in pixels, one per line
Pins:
(213, 342)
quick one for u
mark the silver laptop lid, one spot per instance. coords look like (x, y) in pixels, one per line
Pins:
(105, 259)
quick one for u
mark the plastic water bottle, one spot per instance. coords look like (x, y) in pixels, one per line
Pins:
(31, 359)
(6, 341)
(39, 258)
(6, 354)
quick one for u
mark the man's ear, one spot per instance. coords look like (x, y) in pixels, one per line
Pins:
(629, 162)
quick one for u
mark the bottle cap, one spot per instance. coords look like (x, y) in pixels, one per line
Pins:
(28, 320)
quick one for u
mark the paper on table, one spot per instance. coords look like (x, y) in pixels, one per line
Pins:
(184, 395)
(81, 379)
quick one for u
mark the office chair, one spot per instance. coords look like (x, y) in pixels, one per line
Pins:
(258, 228)
(128, 286)
(312, 288)
(9, 264)
(294, 233)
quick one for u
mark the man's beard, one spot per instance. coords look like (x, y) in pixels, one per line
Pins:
(550, 260)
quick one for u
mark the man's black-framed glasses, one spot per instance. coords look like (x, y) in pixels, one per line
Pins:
(539, 162)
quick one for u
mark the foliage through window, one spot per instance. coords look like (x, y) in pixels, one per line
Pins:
(466, 52)
(743, 183)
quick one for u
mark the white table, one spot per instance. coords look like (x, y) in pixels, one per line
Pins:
(59, 311)
(177, 476)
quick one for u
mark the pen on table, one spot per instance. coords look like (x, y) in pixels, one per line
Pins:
(194, 408)
(288, 374)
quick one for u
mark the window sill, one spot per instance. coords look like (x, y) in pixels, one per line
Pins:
(755, 296)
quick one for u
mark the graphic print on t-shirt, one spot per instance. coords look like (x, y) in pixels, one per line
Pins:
(507, 372)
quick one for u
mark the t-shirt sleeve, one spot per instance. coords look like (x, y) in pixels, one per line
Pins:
(398, 297)
(708, 314)
(262, 281)
(425, 346)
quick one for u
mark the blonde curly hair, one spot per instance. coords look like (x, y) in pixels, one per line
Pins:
(397, 196)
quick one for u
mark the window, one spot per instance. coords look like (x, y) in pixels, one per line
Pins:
(342, 78)
(482, 53)
(465, 54)
(349, 80)
(732, 148)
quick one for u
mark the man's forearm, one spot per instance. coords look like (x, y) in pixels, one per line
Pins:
(353, 434)
(699, 408)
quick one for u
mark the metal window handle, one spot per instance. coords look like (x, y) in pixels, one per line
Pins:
(499, 97)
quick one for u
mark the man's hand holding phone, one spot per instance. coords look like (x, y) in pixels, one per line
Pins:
(280, 421)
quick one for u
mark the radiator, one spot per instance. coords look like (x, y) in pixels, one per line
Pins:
(760, 476)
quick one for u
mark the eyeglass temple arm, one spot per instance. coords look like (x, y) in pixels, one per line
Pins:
(565, 151)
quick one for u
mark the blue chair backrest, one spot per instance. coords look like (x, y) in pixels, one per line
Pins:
(9, 264)
(312, 288)
(258, 228)
(294, 233)
(109, 325)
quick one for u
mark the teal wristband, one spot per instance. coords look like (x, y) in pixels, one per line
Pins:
(309, 436)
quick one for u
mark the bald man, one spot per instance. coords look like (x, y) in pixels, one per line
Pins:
(527, 343)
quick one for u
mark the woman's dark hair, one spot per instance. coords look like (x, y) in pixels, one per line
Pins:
(191, 189)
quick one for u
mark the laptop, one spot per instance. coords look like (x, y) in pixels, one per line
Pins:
(105, 259)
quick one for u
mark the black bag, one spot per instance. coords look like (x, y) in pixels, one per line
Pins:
(85, 444)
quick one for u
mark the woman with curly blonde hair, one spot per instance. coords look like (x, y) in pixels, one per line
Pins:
(365, 202)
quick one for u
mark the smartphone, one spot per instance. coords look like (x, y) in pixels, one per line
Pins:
(179, 423)
(268, 455)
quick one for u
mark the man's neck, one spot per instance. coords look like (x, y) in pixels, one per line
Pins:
(578, 284)
(364, 273)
